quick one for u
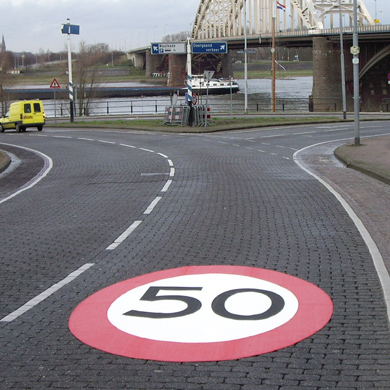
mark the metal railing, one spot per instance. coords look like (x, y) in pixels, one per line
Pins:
(157, 107)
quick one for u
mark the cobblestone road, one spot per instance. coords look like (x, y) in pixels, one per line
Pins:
(235, 198)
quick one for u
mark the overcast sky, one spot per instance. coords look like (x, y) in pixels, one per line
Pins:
(34, 25)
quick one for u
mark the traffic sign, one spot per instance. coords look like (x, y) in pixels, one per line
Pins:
(168, 48)
(210, 47)
(208, 74)
(201, 313)
(54, 84)
(70, 29)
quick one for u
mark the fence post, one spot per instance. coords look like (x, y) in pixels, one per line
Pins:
(108, 108)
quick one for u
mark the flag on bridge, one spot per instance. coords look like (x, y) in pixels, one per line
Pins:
(280, 6)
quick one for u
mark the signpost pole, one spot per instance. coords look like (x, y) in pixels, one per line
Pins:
(189, 79)
(70, 75)
(55, 107)
(54, 85)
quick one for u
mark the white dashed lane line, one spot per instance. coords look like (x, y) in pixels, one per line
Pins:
(45, 294)
(57, 286)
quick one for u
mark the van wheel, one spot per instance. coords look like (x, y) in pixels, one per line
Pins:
(1, 129)
(40, 128)
(18, 128)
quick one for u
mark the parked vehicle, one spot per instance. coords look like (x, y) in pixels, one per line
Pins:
(24, 114)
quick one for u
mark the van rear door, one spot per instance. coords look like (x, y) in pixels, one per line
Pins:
(28, 116)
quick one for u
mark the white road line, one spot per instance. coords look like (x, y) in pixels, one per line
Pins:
(106, 142)
(86, 139)
(272, 136)
(48, 165)
(167, 185)
(152, 205)
(45, 294)
(153, 174)
(374, 251)
(124, 235)
(306, 132)
(128, 146)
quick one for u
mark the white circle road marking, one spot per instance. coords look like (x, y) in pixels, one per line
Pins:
(201, 313)
(204, 326)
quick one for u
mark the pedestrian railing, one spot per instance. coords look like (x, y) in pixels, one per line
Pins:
(158, 106)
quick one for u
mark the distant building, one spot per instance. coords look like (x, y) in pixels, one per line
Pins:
(3, 47)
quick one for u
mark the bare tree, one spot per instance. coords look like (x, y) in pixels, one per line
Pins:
(5, 79)
(181, 36)
(86, 70)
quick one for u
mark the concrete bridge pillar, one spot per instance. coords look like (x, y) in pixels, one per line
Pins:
(177, 70)
(327, 93)
(137, 59)
(153, 62)
(227, 66)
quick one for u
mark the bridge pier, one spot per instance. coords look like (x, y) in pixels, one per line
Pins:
(153, 63)
(327, 92)
(177, 70)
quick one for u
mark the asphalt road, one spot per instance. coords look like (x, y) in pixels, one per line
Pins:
(114, 205)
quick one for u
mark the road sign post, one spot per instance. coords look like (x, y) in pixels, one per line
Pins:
(208, 74)
(70, 29)
(189, 80)
(54, 86)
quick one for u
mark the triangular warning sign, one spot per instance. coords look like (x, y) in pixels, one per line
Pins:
(54, 84)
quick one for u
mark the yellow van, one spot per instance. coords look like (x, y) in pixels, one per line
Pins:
(24, 114)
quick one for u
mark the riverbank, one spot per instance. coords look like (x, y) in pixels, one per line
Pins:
(43, 76)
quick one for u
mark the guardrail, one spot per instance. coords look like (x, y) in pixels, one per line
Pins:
(141, 107)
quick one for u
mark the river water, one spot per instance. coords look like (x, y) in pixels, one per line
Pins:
(292, 95)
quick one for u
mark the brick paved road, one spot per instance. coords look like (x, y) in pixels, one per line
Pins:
(236, 199)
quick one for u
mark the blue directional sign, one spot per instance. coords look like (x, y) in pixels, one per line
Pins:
(168, 48)
(70, 29)
(210, 47)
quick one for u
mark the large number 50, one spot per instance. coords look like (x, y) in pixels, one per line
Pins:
(218, 305)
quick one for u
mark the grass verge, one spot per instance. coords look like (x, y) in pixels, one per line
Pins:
(217, 124)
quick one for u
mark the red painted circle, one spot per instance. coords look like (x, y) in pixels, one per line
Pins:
(90, 321)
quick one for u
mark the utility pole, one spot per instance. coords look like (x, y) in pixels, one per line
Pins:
(70, 29)
(189, 80)
(355, 50)
(342, 60)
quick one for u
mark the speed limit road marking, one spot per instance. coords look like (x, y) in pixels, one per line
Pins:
(203, 313)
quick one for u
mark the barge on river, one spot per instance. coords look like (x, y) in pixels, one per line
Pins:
(199, 86)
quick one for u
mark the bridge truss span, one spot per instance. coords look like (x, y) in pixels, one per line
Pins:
(226, 18)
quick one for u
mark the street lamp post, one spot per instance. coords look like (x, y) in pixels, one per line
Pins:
(355, 50)
(342, 60)
(245, 62)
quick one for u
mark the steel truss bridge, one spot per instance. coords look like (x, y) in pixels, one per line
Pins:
(226, 18)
